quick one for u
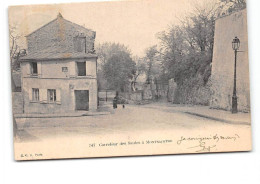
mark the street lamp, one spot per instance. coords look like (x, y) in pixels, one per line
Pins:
(235, 46)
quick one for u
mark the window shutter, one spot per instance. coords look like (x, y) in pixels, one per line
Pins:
(39, 68)
(58, 96)
(30, 94)
(43, 95)
(28, 68)
(72, 68)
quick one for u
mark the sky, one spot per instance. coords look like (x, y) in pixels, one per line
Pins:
(132, 23)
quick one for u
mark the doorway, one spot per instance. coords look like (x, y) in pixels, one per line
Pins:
(82, 99)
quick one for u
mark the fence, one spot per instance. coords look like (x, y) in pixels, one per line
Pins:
(106, 95)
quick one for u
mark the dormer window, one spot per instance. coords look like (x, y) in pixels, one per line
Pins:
(80, 43)
(34, 69)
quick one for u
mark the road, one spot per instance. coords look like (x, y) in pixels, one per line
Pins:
(132, 118)
(131, 123)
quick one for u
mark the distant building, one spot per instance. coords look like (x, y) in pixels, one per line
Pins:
(59, 72)
(16, 81)
(226, 29)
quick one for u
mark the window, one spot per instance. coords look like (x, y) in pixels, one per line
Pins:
(81, 66)
(80, 44)
(35, 94)
(51, 95)
(34, 69)
(64, 69)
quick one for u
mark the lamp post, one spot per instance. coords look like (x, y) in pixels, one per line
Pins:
(235, 46)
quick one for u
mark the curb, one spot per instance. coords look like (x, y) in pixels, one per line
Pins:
(217, 119)
(60, 116)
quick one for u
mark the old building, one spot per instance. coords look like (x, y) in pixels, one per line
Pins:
(59, 72)
(226, 29)
(16, 81)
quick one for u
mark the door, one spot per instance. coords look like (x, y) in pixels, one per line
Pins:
(82, 99)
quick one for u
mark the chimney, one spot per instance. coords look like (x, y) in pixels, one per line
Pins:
(59, 15)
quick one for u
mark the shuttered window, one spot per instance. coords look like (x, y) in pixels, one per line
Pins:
(58, 96)
(45, 95)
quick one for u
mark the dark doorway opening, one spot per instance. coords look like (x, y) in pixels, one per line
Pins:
(82, 99)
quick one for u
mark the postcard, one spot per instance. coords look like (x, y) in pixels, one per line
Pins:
(129, 78)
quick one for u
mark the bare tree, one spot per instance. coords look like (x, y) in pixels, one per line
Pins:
(229, 6)
(140, 68)
(16, 52)
(152, 59)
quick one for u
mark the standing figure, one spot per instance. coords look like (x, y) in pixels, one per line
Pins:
(115, 102)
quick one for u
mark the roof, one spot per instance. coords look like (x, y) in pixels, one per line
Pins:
(56, 53)
(58, 20)
(47, 56)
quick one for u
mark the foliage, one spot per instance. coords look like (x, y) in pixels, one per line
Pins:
(153, 63)
(105, 51)
(186, 50)
(231, 6)
(119, 70)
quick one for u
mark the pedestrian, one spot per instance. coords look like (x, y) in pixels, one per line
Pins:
(115, 103)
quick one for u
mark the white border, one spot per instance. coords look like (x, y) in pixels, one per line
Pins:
(232, 168)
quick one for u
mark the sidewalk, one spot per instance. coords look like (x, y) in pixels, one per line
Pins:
(213, 114)
(103, 109)
(71, 114)
(221, 115)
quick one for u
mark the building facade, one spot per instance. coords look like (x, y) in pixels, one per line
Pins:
(222, 78)
(59, 72)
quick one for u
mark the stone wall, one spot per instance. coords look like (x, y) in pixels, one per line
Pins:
(197, 95)
(172, 90)
(17, 102)
(136, 96)
(226, 29)
(155, 91)
(147, 92)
